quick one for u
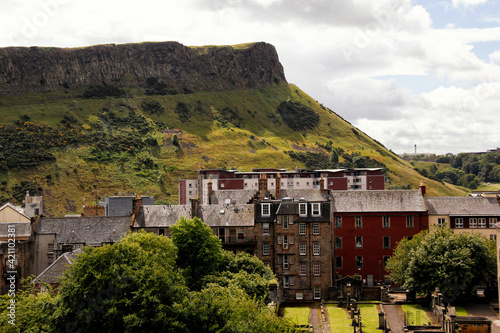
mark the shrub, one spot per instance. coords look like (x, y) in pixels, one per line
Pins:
(297, 116)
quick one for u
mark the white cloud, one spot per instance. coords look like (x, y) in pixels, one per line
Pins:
(468, 3)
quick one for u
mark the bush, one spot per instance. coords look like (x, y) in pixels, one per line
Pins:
(103, 92)
(297, 116)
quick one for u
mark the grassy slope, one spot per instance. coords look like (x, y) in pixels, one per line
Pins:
(259, 142)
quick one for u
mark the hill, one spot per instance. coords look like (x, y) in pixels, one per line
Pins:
(128, 119)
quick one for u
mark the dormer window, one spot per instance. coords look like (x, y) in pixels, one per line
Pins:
(316, 211)
(302, 209)
(266, 209)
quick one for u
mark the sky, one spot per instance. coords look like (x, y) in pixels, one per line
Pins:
(424, 73)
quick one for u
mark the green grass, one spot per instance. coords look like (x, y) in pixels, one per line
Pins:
(340, 321)
(490, 187)
(299, 314)
(369, 317)
(461, 312)
(415, 314)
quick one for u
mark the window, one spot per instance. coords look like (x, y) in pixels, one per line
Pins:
(302, 209)
(459, 222)
(161, 231)
(222, 185)
(241, 236)
(290, 219)
(303, 269)
(266, 209)
(317, 292)
(359, 242)
(279, 218)
(279, 239)
(302, 228)
(338, 262)
(359, 222)
(291, 239)
(265, 228)
(481, 222)
(316, 209)
(441, 221)
(316, 248)
(316, 268)
(338, 242)
(386, 259)
(286, 281)
(473, 223)
(409, 221)
(285, 242)
(299, 295)
(265, 249)
(285, 262)
(359, 262)
(387, 242)
(493, 237)
(386, 222)
(315, 228)
(493, 222)
(285, 222)
(338, 221)
(302, 249)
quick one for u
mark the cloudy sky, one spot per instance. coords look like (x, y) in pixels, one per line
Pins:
(407, 73)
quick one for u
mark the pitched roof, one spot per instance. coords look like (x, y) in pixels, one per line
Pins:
(378, 201)
(17, 209)
(22, 230)
(240, 197)
(230, 215)
(463, 206)
(57, 268)
(308, 194)
(162, 216)
(94, 230)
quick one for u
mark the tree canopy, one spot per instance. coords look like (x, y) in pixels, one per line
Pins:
(141, 285)
(454, 262)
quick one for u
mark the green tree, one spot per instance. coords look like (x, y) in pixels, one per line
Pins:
(227, 309)
(130, 286)
(455, 263)
(199, 250)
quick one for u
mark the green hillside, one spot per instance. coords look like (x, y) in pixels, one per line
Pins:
(74, 149)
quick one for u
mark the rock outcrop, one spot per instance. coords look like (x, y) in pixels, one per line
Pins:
(171, 65)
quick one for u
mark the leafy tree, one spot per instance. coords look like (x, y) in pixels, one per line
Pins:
(199, 250)
(130, 286)
(472, 185)
(455, 263)
(334, 157)
(227, 309)
(297, 116)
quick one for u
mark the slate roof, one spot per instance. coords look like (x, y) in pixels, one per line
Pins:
(237, 196)
(23, 230)
(228, 216)
(308, 194)
(463, 206)
(161, 216)
(378, 201)
(57, 268)
(86, 230)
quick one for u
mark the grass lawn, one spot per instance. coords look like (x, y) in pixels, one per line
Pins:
(415, 314)
(340, 321)
(299, 314)
(369, 318)
(461, 312)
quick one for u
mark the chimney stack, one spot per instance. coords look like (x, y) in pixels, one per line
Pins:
(136, 204)
(278, 186)
(210, 191)
(422, 187)
(262, 186)
(321, 185)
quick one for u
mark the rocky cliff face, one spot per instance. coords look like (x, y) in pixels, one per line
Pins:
(169, 64)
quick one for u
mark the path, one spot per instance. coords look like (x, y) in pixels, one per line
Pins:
(394, 317)
(315, 318)
(484, 310)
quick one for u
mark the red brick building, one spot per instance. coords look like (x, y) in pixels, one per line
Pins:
(368, 225)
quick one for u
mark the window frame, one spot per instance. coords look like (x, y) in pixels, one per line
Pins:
(337, 259)
(315, 209)
(317, 292)
(265, 249)
(265, 209)
(388, 239)
(386, 221)
(265, 226)
(338, 240)
(302, 209)
(358, 222)
(302, 229)
(410, 221)
(316, 249)
(492, 222)
(358, 242)
(338, 222)
(473, 222)
(459, 222)
(359, 259)
(316, 268)
(316, 229)
(302, 248)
